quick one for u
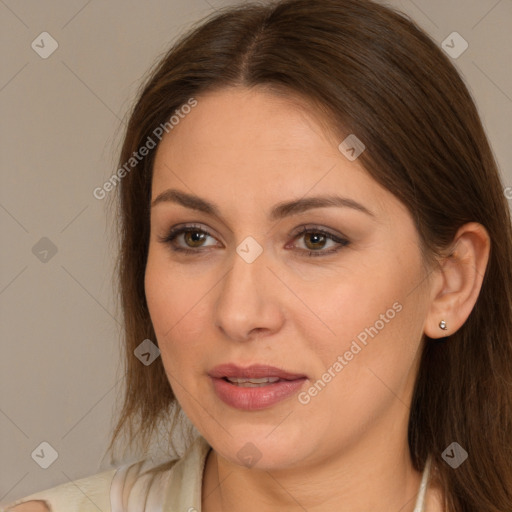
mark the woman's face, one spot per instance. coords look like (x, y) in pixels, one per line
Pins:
(346, 313)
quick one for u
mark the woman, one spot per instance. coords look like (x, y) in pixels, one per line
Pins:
(315, 235)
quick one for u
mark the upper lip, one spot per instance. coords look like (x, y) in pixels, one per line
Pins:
(255, 371)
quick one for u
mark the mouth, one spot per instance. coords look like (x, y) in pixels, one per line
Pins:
(255, 387)
(256, 374)
(253, 383)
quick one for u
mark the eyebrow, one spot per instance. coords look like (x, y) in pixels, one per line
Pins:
(279, 211)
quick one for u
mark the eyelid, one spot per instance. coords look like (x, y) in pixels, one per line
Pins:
(313, 228)
(341, 240)
(180, 229)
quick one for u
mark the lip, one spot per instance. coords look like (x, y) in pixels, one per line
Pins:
(257, 398)
(255, 371)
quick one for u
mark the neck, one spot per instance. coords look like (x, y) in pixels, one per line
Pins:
(376, 474)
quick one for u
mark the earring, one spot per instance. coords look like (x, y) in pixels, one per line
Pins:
(442, 325)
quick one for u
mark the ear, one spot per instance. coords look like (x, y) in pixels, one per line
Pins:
(458, 280)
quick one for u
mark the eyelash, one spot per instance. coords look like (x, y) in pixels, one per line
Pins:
(175, 232)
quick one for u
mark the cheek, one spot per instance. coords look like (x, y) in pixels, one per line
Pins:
(377, 315)
(175, 303)
(362, 296)
(177, 307)
(378, 303)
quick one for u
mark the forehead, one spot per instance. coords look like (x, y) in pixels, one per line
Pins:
(255, 144)
(256, 117)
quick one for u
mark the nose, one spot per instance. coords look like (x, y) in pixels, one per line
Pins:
(249, 302)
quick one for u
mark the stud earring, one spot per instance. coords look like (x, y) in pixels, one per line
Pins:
(442, 325)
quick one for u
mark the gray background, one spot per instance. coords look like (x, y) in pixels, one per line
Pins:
(61, 127)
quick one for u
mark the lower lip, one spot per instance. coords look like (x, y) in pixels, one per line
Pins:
(253, 399)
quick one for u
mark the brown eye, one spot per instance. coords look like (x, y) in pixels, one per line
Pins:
(315, 240)
(194, 238)
(189, 239)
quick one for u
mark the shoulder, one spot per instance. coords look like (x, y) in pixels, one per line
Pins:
(83, 495)
(112, 490)
(30, 506)
(141, 485)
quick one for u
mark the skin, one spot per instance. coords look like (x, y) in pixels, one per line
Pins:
(30, 506)
(346, 450)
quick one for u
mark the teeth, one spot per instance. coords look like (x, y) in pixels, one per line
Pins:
(252, 383)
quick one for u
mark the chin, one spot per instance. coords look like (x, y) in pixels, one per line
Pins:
(262, 447)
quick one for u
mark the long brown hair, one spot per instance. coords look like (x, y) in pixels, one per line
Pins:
(375, 74)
